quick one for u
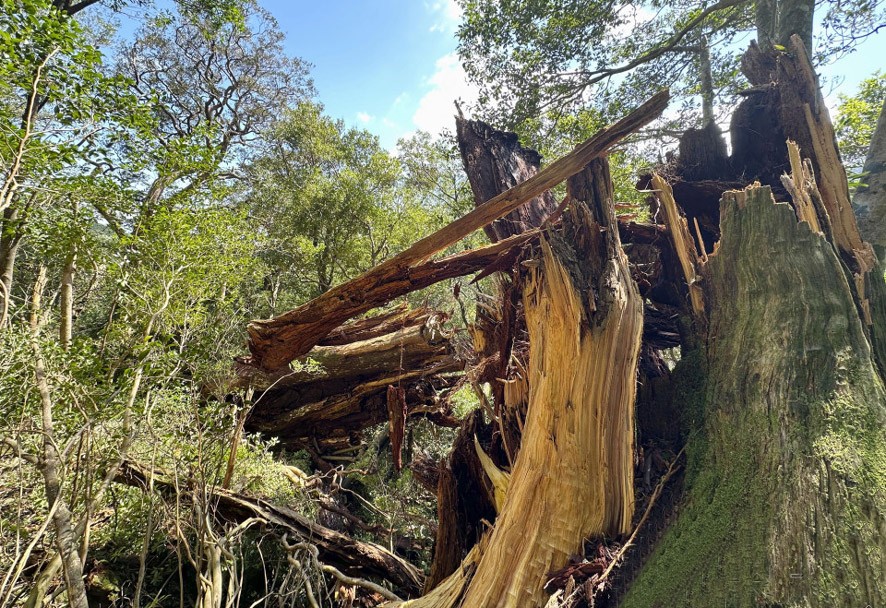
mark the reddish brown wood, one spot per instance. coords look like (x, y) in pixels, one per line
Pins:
(275, 342)
(328, 408)
(396, 402)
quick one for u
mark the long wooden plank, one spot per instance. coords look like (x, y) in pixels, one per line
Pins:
(275, 342)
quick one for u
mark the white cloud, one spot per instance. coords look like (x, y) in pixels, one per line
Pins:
(633, 15)
(446, 14)
(365, 118)
(448, 83)
(401, 99)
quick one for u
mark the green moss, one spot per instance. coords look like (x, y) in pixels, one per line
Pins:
(689, 378)
(715, 554)
(719, 551)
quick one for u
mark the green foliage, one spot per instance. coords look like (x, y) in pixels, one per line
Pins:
(554, 58)
(857, 118)
(559, 58)
(188, 185)
(56, 102)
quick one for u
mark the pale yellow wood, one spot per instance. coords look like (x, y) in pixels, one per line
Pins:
(799, 180)
(499, 478)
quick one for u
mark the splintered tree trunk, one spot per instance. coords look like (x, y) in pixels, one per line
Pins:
(573, 477)
(786, 503)
(494, 162)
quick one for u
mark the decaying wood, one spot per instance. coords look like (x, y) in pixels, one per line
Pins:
(702, 154)
(793, 434)
(806, 120)
(495, 162)
(358, 362)
(397, 412)
(801, 185)
(683, 244)
(351, 556)
(425, 471)
(802, 116)
(275, 342)
(465, 501)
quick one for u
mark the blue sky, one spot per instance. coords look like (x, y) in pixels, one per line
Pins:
(385, 65)
(390, 66)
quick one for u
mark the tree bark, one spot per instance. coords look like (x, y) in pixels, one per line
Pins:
(796, 18)
(785, 504)
(66, 301)
(778, 20)
(706, 82)
(10, 239)
(51, 466)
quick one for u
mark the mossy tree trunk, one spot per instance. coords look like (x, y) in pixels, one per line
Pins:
(786, 503)
(786, 480)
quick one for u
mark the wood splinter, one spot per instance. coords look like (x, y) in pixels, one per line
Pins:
(683, 245)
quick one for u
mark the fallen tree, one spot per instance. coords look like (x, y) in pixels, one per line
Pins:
(778, 308)
(340, 387)
(353, 557)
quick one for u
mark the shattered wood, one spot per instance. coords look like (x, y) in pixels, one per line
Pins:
(332, 405)
(273, 343)
(559, 493)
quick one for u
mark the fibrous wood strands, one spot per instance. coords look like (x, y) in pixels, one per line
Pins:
(573, 477)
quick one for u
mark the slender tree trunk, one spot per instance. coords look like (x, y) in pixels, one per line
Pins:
(766, 14)
(778, 20)
(706, 81)
(51, 467)
(10, 239)
(796, 17)
(66, 299)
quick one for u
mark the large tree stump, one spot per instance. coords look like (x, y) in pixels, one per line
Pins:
(786, 502)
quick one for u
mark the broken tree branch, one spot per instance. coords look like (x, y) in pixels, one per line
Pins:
(275, 342)
(354, 557)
